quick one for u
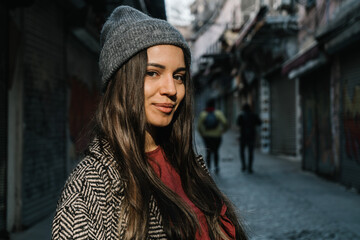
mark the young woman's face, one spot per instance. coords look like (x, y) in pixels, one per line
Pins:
(164, 87)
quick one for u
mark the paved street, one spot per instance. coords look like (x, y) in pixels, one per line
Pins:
(277, 202)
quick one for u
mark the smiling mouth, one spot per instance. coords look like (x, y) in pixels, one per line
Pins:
(164, 107)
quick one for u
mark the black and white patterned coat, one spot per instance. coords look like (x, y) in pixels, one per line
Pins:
(90, 204)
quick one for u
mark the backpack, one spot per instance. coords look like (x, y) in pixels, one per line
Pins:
(211, 121)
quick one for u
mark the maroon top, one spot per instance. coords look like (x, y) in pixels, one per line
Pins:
(171, 179)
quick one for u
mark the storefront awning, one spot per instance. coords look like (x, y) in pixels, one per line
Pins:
(304, 62)
(349, 36)
(300, 59)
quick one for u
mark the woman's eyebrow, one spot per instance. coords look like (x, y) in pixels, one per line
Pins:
(180, 69)
(156, 65)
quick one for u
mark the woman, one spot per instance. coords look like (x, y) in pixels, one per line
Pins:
(140, 178)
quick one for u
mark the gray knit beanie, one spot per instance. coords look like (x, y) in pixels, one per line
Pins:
(128, 31)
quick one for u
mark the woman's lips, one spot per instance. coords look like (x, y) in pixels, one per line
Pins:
(164, 107)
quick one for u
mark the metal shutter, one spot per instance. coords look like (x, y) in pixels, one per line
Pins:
(44, 149)
(326, 164)
(309, 115)
(317, 136)
(350, 117)
(283, 116)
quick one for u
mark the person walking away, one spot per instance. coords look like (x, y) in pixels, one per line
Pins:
(211, 125)
(247, 121)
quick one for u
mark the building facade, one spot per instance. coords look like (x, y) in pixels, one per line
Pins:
(327, 70)
(296, 63)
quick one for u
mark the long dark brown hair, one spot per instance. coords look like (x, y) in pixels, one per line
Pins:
(121, 120)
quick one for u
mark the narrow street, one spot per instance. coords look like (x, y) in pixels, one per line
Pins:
(280, 201)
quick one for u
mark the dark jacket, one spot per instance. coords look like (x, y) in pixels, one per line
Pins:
(92, 198)
(247, 121)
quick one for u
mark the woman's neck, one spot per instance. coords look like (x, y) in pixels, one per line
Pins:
(150, 143)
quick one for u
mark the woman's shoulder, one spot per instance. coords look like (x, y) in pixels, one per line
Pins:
(96, 174)
(87, 198)
(91, 179)
(93, 191)
(89, 168)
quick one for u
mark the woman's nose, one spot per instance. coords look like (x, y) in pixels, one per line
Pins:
(168, 86)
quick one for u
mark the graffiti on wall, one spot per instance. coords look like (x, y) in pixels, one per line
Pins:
(335, 76)
(325, 138)
(83, 102)
(352, 123)
(318, 154)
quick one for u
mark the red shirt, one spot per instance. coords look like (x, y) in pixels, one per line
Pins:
(172, 180)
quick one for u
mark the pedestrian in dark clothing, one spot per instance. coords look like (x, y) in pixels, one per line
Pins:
(247, 121)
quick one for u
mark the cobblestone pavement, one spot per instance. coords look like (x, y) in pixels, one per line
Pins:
(280, 201)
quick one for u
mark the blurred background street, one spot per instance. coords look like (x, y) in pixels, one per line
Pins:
(294, 62)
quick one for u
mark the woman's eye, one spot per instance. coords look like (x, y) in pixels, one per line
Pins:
(180, 78)
(151, 74)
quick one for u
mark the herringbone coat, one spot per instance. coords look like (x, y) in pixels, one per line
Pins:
(90, 204)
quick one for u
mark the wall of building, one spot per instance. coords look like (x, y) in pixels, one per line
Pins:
(4, 41)
(44, 114)
(349, 116)
(203, 42)
(329, 89)
(313, 18)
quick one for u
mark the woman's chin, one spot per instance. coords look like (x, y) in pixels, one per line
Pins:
(160, 124)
